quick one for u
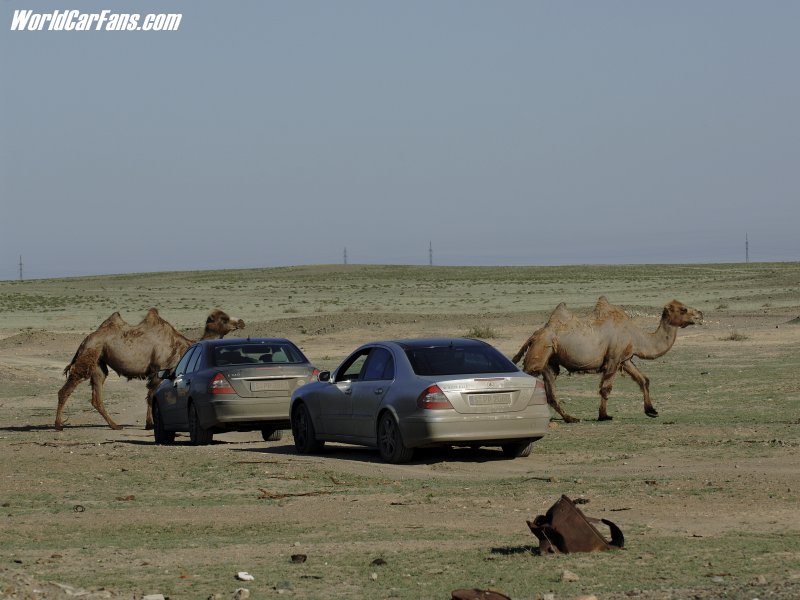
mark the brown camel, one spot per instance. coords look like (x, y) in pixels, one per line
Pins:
(135, 352)
(604, 342)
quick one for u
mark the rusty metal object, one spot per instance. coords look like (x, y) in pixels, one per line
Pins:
(566, 529)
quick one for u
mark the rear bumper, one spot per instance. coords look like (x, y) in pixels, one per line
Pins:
(230, 413)
(431, 428)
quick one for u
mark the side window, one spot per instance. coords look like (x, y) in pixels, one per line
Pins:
(388, 370)
(195, 360)
(351, 370)
(181, 368)
(380, 365)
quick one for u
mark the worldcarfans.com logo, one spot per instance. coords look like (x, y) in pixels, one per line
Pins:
(105, 20)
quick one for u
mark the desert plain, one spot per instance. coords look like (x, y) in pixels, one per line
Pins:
(706, 493)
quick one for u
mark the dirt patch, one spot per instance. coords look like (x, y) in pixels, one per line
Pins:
(16, 585)
(41, 338)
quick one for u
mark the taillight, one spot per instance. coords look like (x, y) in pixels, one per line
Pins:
(220, 385)
(539, 395)
(313, 377)
(433, 398)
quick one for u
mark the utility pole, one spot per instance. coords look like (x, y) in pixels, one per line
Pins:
(430, 253)
(345, 255)
(746, 250)
(20, 267)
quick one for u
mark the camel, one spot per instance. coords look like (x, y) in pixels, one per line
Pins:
(135, 352)
(603, 342)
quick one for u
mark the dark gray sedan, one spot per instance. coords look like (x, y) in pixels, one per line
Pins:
(230, 385)
(406, 394)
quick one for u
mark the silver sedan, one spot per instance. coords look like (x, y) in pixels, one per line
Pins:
(406, 394)
(230, 385)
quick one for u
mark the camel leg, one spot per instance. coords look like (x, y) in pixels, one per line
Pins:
(606, 383)
(79, 370)
(644, 384)
(540, 360)
(64, 393)
(152, 384)
(97, 380)
(549, 377)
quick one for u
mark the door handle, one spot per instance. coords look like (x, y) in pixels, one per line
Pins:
(378, 391)
(347, 391)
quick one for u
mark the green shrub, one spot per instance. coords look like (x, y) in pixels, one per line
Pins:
(484, 333)
(734, 336)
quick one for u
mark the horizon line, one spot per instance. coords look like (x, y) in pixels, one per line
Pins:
(416, 265)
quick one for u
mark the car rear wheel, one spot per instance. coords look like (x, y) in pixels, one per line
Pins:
(271, 435)
(161, 435)
(198, 435)
(303, 431)
(390, 441)
(519, 449)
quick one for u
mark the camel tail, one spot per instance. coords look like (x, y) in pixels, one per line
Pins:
(78, 352)
(518, 356)
(68, 368)
(537, 351)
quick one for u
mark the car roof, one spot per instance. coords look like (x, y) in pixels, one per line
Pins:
(408, 344)
(235, 341)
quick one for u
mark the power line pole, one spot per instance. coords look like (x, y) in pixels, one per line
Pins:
(746, 250)
(430, 253)
(20, 267)
(345, 255)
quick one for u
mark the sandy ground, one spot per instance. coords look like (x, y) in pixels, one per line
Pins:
(38, 458)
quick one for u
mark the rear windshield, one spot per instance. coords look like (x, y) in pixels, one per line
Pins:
(258, 354)
(458, 360)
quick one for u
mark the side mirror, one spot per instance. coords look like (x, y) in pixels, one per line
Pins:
(324, 376)
(166, 374)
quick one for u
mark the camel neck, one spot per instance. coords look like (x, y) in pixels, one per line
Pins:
(658, 343)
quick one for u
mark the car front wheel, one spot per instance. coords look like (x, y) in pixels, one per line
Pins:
(305, 440)
(198, 435)
(161, 435)
(390, 441)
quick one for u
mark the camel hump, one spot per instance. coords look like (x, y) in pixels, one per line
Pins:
(561, 314)
(152, 318)
(604, 310)
(115, 320)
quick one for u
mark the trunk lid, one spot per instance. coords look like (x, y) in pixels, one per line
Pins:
(268, 381)
(488, 394)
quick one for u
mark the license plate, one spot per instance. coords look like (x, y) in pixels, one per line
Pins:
(488, 399)
(273, 385)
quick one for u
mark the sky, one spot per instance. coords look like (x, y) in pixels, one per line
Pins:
(271, 133)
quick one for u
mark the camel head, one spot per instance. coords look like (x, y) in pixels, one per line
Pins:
(678, 314)
(219, 324)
